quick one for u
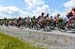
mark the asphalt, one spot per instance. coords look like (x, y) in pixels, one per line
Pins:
(52, 40)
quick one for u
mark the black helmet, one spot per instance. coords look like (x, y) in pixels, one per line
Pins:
(73, 9)
(42, 13)
(58, 14)
(47, 14)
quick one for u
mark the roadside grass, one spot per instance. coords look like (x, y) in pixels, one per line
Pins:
(8, 42)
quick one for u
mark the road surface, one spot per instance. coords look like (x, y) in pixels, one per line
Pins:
(51, 40)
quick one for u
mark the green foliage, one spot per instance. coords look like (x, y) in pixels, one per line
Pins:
(60, 20)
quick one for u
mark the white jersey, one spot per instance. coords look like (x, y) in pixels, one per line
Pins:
(66, 19)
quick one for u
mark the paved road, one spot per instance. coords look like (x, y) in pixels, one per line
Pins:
(52, 40)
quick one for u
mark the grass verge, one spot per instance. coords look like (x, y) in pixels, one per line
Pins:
(8, 42)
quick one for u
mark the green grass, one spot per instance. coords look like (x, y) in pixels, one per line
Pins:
(8, 42)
